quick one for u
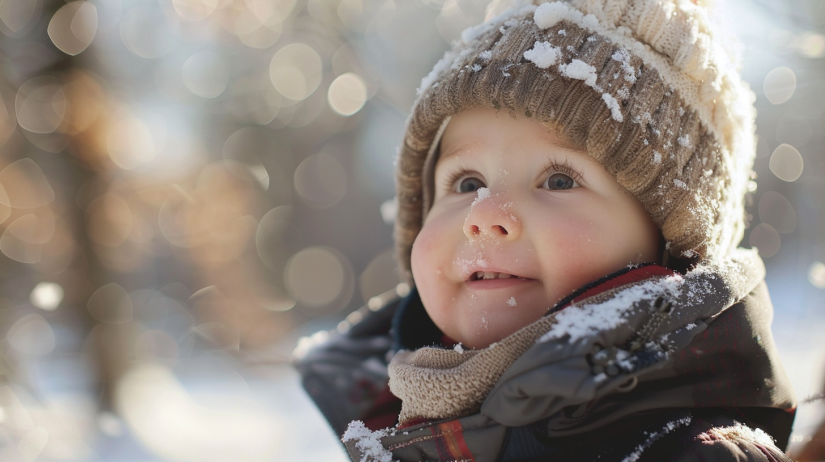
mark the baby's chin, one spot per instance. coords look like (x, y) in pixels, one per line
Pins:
(479, 327)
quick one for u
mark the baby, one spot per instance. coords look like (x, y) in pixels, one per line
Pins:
(571, 190)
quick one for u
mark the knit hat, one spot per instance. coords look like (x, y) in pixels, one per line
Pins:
(646, 87)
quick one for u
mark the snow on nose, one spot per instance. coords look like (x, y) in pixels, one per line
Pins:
(488, 218)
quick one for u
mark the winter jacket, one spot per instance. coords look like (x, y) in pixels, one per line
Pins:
(686, 371)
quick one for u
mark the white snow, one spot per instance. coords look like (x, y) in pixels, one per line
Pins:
(680, 184)
(459, 348)
(471, 33)
(476, 67)
(368, 442)
(587, 320)
(548, 15)
(452, 58)
(690, 326)
(440, 67)
(543, 55)
(690, 253)
(623, 56)
(467, 264)
(486, 55)
(562, 32)
(684, 141)
(652, 437)
(512, 301)
(481, 195)
(580, 70)
(743, 432)
(614, 107)
(590, 22)
(657, 157)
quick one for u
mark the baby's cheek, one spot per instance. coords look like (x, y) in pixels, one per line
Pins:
(426, 261)
(424, 254)
(573, 253)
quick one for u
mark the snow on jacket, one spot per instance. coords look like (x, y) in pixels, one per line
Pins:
(652, 367)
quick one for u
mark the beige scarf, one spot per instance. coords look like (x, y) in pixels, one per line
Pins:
(435, 383)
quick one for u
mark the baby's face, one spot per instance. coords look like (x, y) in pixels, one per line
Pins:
(520, 219)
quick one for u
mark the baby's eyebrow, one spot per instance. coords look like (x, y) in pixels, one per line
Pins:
(444, 154)
(568, 151)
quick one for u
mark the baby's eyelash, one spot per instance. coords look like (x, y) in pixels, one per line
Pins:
(564, 167)
(450, 180)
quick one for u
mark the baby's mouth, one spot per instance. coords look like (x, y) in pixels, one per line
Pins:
(479, 275)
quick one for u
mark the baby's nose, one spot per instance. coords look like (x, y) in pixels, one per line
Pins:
(492, 218)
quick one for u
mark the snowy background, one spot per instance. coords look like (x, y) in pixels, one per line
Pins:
(187, 187)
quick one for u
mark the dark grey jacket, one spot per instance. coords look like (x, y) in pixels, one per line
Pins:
(719, 394)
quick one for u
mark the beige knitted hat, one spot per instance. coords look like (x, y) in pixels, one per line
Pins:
(647, 87)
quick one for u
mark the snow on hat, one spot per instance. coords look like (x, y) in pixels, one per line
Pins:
(647, 87)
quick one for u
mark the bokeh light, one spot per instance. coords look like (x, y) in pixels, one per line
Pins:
(24, 186)
(73, 27)
(380, 275)
(786, 163)
(40, 105)
(816, 274)
(32, 335)
(205, 74)
(321, 181)
(147, 32)
(777, 211)
(317, 276)
(46, 295)
(779, 85)
(765, 238)
(347, 94)
(295, 71)
(130, 143)
(194, 10)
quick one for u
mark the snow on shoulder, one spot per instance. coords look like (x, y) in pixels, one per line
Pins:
(368, 442)
(584, 321)
(652, 437)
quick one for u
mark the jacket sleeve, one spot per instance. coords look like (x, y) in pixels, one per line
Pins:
(345, 372)
(718, 439)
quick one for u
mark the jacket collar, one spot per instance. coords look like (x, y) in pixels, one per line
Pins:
(412, 327)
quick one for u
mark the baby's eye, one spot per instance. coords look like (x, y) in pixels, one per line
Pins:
(469, 184)
(559, 181)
